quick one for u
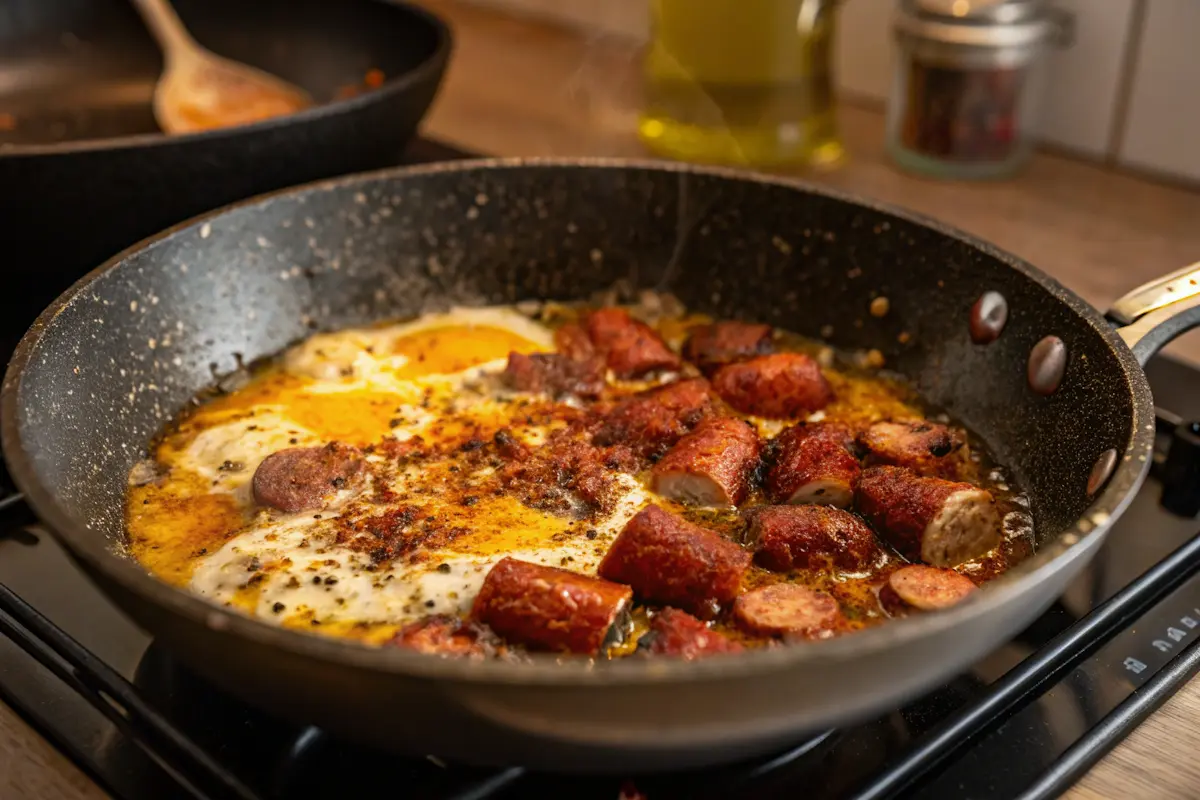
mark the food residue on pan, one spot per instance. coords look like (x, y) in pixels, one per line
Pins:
(484, 482)
(372, 79)
(218, 98)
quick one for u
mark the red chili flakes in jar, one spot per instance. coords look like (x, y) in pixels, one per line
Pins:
(961, 114)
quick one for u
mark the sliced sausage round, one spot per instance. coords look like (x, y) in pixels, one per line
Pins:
(554, 374)
(785, 609)
(448, 636)
(926, 448)
(710, 347)
(679, 634)
(813, 464)
(572, 341)
(809, 537)
(669, 560)
(928, 519)
(306, 478)
(651, 422)
(711, 466)
(778, 386)
(631, 347)
(925, 588)
(547, 608)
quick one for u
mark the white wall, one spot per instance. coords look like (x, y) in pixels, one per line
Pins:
(1127, 90)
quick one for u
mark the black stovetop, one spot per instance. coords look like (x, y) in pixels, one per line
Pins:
(1024, 722)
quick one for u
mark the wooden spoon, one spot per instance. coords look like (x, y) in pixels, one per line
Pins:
(199, 90)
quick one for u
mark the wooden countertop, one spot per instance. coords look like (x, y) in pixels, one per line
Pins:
(522, 88)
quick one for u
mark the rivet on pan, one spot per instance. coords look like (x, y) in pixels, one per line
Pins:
(1101, 471)
(1047, 363)
(988, 316)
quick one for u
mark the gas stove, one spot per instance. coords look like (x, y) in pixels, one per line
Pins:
(1026, 721)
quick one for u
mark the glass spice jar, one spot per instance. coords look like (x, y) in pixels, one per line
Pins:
(968, 83)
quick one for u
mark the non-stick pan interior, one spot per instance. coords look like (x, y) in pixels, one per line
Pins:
(126, 351)
(86, 69)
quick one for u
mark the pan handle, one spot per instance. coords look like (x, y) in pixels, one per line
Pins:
(1156, 312)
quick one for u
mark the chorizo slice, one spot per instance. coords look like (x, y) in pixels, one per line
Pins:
(572, 341)
(670, 561)
(784, 609)
(306, 478)
(711, 466)
(448, 636)
(547, 608)
(650, 422)
(940, 522)
(631, 348)
(813, 464)
(554, 374)
(777, 386)
(924, 589)
(927, 448)
(710, 347)
(785, 538)
(679, 634)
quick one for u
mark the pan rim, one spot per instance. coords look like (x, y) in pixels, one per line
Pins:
(95, 552)
(443, 45)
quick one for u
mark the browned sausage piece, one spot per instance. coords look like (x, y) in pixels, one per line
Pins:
(711, 466)
(812, 464)
(809, 537)
(306, 478)
(631, 347)
(712, 346)
(779, 386)
(928, 519)
(784, 609)
(572, 341)
(924, 588)
(679, 634)
(547, 608)
(650, 422)
(554, 374)
(926, 448)
(671, 561)
(447, 635)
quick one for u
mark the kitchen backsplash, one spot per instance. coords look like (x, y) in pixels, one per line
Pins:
(1127, 90)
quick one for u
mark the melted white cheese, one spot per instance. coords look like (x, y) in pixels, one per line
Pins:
(295, 560)
(292, 551)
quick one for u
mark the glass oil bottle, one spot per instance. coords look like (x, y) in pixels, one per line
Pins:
(744, 83)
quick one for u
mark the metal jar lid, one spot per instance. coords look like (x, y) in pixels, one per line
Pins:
(1015, 25)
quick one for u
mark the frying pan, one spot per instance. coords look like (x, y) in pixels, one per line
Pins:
(126, 348)
(80, 150)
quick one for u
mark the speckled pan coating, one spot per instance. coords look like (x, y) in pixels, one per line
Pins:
(126, 348)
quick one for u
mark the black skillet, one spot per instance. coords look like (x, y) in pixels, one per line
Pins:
(84, 170)
(1056, 392)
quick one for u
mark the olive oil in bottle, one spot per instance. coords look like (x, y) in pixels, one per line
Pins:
(745, 83)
